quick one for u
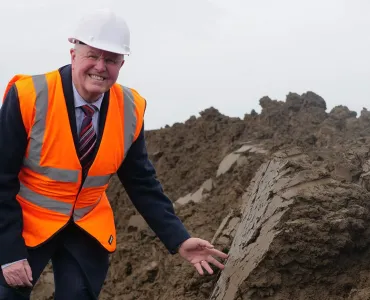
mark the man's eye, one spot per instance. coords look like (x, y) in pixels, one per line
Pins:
(110, 61)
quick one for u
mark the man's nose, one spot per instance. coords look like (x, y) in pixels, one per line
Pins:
(100, 64)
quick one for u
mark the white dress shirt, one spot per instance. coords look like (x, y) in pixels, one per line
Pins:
(79, 101)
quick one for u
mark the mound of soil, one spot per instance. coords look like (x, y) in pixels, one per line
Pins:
(233, 181)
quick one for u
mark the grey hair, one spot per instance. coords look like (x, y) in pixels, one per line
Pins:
(78, 46)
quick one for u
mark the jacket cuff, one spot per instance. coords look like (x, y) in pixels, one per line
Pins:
(14, 252)
(12, 263)
(178, 242)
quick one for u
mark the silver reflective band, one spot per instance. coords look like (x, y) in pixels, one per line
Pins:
(62, 175)
(55, 205)
(96, 181)
(129, 118)
(44, 202)
(38, 130)
(79, 213)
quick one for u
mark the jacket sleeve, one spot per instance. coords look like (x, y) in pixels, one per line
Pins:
(13, 143)
(138, 177)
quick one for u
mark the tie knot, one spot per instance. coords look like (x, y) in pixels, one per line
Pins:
(89, 110)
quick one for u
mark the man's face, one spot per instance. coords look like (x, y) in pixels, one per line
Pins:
(94, 71)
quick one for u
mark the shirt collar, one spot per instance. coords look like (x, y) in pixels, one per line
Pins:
(79, 101)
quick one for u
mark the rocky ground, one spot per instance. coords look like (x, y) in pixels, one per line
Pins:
(284, 192)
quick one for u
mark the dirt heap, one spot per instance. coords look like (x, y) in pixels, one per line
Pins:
(285, 192)
(303, 234)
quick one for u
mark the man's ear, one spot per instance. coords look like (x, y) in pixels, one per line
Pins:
(73, 53)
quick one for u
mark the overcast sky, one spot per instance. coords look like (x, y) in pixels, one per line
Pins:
(190, 55)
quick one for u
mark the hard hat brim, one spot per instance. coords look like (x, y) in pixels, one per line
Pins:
(101, 46)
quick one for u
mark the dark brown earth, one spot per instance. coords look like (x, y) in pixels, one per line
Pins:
(291, 207)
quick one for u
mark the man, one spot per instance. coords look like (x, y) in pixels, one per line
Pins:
(63, 135)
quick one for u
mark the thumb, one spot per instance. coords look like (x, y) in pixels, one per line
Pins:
(28, 270)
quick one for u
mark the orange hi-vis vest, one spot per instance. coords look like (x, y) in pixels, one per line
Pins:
(52, 190)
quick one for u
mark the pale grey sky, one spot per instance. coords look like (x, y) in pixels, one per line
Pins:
(190, 55)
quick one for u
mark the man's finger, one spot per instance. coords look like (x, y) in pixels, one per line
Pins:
(22, 275)
(218, 253)
(199, 268)
(205, 244)
(206, 266)
(28, 270)
(17, 281)
(9, 280)
(215, 262)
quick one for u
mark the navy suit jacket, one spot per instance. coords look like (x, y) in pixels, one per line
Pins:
(137, 175)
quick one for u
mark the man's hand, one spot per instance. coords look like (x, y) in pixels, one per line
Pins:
(18, 274)
(199, 253)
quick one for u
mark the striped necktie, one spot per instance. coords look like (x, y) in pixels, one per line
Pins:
(87, 137)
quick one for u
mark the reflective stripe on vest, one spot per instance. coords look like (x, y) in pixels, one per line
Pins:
(45, 202)
(54, 205)
(63, 175)
(130, 117)
(81, 212)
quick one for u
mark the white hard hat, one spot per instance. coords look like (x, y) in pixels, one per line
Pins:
(104, 30)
